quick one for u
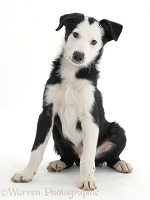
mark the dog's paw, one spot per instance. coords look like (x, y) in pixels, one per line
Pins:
(23, 177)
(87, 183)
(123, 166)
(56, 166)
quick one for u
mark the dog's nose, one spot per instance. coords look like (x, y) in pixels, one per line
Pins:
(78, 56)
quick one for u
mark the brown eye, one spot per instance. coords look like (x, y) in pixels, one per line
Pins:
(93, 42)
(76, 35)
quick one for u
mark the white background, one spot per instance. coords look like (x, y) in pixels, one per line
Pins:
(28, 44)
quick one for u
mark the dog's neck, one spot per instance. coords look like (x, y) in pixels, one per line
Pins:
(64, 70)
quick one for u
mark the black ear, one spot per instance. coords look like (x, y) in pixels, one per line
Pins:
(70, 20)
(112, 30)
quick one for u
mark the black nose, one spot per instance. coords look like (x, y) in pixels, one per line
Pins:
(78, 56)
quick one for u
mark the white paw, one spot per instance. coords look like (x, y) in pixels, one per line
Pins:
(23, 177)
(87, 183)
(123, 166)
(56, 166)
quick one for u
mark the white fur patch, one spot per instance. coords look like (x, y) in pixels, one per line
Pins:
(31, 169)
(87, 160)
(72, 101)
(56, 165)
(87, 32)
(87, 183)
(73, 98)
(123, 166)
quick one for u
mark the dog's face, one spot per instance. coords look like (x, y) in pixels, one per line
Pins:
(85, 36)
(84, 43)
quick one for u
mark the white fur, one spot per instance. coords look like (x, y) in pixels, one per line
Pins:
(123, 166)
(31, 169)
(56, 165)
(87, 162)
(72, 100)
(87, 33)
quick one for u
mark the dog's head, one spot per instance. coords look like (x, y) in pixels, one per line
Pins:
(85, 37)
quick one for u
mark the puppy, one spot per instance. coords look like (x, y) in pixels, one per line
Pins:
(72, 106)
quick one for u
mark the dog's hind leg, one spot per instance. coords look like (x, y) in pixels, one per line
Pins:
(42, 136)
(116, 136)
(63, 148)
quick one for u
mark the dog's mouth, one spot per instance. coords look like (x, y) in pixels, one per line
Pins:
(77, 62)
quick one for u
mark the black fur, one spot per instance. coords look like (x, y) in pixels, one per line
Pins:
(108, 131)
(112, 30)
(78, 126)
(44, 122)
(91, 20)
(70, 21)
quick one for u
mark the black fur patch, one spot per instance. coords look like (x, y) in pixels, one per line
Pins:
(72, 24)
(62, 145)
(90, 73)
(55, 76)
(92, 20)
(107, 131)
(78, 126)
(44, 124)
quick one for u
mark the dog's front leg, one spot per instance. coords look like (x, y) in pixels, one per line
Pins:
(42, 136)
(87, 161)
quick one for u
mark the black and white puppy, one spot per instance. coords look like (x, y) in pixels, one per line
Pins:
(72, 106)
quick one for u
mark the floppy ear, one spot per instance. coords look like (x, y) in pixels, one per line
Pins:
(112, 30)
(69, 19)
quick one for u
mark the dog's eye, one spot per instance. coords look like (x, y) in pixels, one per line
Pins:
(93, 42)
(76, 35)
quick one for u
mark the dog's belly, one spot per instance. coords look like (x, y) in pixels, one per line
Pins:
(72, 101)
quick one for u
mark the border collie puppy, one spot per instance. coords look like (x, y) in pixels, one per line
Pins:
(73, 108)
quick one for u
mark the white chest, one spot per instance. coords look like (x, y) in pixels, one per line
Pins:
(72, 101)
